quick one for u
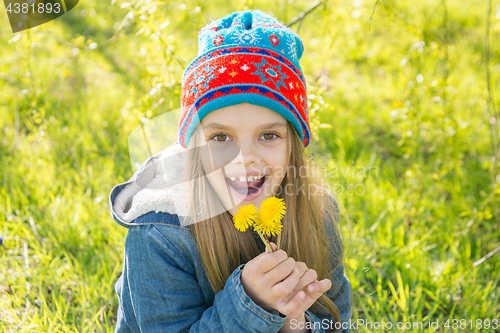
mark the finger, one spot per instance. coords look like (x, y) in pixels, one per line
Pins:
(284, 277)
(319, 286)
(273, 246)
(291, 306)
(285, 287)
(307, 278)
(306, 303)
(268, 261)
(327, 284)
(310, 298)
(281, 272)
(302, 267)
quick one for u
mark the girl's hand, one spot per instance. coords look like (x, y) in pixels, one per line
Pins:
(312, 288)
(269, 278)
(314, 291)
(309, 285)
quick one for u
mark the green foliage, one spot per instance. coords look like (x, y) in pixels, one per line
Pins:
(403, 123)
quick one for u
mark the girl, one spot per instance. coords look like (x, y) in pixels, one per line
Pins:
(241, 135)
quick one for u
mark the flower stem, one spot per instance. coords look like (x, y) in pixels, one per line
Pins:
(279, 241)
(265, 242)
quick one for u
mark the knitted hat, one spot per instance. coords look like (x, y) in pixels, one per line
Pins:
(246, 56)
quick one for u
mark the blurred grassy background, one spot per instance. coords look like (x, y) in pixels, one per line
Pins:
(405, 123)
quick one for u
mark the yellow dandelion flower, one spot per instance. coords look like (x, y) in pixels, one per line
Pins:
(270, 214)
(272, 209)
(268, 227)
(245, 217)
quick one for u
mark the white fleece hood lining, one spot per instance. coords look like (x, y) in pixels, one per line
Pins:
(161, 187)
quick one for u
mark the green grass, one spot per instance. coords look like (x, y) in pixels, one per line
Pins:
(400, 116)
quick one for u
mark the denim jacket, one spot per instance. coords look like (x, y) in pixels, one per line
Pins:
(163, 286)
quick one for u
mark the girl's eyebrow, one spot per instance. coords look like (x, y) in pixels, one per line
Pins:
(225, 127)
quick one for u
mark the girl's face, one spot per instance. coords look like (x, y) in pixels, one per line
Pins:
(256, 173)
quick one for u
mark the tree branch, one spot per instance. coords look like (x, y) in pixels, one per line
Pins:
(371, 16)
(304, 13)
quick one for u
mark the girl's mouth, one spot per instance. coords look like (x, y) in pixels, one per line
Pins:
(247, 189)
(246, 186)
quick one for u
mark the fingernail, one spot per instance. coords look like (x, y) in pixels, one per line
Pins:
(301, 295)
(296, 270)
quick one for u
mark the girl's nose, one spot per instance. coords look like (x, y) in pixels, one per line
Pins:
(248, 155)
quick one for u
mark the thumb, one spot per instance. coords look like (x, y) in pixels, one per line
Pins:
(273, 246)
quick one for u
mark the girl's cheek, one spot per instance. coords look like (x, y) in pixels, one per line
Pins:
(277, 162)
(278, 153)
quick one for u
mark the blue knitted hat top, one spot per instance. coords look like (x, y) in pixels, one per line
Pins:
(246, 56)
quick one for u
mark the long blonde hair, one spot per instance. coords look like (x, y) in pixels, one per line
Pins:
(222, 248)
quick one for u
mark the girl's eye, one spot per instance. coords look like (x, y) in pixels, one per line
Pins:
(220, 137)
(269, 136)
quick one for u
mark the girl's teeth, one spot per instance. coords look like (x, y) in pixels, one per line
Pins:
(244, 179)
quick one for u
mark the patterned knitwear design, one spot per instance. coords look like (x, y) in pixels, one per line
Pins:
(247, 56)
